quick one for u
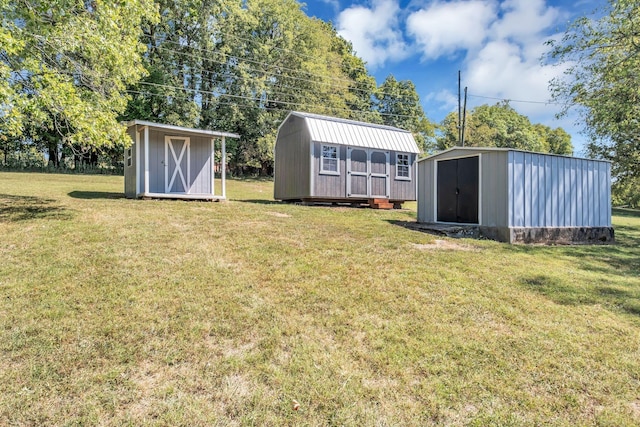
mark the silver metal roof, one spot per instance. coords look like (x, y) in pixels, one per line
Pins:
(474, 150)
(332, 130)
(182, 129)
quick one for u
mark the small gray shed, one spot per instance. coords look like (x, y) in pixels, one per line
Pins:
(175, 162)
(327, 159)
(517, 196)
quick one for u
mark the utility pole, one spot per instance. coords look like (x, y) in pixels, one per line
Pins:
(460, 135)
(464, 117)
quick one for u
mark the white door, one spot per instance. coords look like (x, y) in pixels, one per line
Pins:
(367, 173)
(177, 163)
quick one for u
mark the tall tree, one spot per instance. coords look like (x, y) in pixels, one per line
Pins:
(603, 81)
(398, 103)
(500, 125)
(242, 66)
(65, 65)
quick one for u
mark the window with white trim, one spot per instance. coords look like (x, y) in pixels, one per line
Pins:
(403, 167)
(330, 160)
(129, 154)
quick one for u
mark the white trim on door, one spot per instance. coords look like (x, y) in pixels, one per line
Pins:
(368, 174)
(177, 159)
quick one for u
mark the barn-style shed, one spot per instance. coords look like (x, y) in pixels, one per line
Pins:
(175, 162)
(327, 159)
(517, 196)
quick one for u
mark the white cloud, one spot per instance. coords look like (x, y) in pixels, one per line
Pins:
(502, 46)
(443, 28)
(374, 32)
(334, 4)
(523, 19)
(444, 98)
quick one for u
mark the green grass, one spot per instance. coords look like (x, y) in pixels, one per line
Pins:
(129, 312)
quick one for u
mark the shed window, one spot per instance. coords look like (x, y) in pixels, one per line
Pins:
(329, 160)
(403, 167)
(129, 157)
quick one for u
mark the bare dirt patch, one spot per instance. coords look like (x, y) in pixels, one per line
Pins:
(279, 215)
(444, 245)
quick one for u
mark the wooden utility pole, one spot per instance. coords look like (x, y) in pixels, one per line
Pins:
(460, 137)
(464, 117)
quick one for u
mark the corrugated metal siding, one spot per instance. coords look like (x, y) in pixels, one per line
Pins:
(426, 195)
(292, 174)
(523, 189)
(554, 191)
(332, 130)
(493, 189)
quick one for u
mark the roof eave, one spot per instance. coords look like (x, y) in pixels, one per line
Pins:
(182, 129)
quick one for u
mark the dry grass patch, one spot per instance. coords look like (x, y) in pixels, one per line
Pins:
(439, 244)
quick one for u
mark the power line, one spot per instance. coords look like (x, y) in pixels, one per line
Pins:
(348, 82)
(515, 100)
(261, 100)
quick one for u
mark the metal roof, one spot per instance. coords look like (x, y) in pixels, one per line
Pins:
(333, 130)
(475, 150)
(182, 129)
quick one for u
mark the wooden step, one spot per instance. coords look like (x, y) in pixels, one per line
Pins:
(380, 204)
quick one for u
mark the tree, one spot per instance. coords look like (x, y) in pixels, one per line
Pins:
(500, 125)
(556, 140)
(241, 66)
(65, 65)
(603, 82)
(398, 104)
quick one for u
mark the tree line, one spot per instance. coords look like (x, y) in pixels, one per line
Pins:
(71, 72)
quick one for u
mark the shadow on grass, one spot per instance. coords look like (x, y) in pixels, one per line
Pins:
(454, 231)
(569, 294)
(620, 259)
(260, 202)
(24, 208)
(629, 213)
(95, 195)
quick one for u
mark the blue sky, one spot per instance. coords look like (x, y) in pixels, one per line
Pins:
(497, 44)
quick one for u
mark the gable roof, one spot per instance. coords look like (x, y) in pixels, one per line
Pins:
(332, 130)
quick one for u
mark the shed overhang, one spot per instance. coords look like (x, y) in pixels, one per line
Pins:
(183, 130)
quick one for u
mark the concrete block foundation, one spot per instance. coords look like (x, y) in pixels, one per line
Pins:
(551, 235)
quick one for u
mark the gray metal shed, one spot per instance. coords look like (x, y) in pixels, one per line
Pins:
(321, 158)
(175, 162)
(517, 196)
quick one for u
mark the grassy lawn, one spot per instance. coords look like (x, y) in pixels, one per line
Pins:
(117, 311)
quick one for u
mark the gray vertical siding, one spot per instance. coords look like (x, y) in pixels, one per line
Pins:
(156, 161)
(329, 186)
(555, 191)
(199, 169)
(402, 189)
(426, 193)
(297, 163)
(200, 165)
(493, 189)
(292, 174)
(130, 189)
